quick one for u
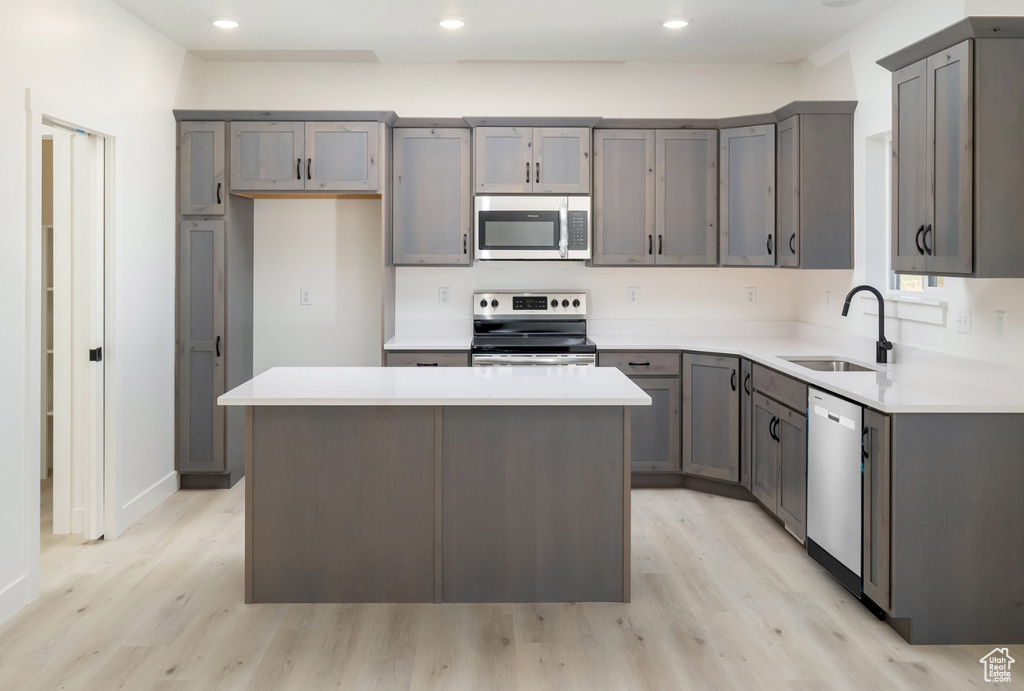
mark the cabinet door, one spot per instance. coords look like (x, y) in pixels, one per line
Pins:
(201, 151)
(342, 156)
(201, 333)
(877, 503)
(561, 160)
(711, 416)
(747, 196)
(791, 435)
(910, 187)
(765, 452)
(267, 155)
(948, 238)
(624, 197)
(432, 217)
(654, 435)
(746, 422)
(504, 160)
(787, 188)
(686, 197)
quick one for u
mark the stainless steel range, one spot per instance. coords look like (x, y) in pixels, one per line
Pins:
(531, 329)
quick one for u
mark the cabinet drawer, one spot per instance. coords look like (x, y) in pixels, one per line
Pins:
(786, 390)
(428, 359)
(640, 364)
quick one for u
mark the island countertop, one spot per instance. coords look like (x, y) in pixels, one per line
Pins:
(443, 386)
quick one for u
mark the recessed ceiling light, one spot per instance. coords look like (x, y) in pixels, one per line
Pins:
(453, 23)
(675, 23)
(224, 22)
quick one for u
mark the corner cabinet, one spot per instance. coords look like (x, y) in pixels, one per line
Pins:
(432, 220)
(532, 160)
(624, 197)
(711, 416)
(201, 184)
(747, 196)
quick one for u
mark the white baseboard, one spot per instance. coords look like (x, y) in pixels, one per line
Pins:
(149, 499)
(13, 597)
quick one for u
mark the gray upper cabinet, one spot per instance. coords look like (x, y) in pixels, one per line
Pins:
(561, 160)
(791, 440)
(877, 507)
(686, 197)
(747, 196)
(910, 189)
(432, 220)
(787, 189)
(267, 156)
(525, 160)
(504, 160)
(201, 187)
(711, 416)
(201, 331)
(342, 156)
(624, 197)
(654, 429)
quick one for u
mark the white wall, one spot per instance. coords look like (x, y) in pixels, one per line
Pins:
(96, 55)
(853, 58)
(333, 248)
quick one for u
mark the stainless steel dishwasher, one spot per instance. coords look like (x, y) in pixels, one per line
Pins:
(834, 486)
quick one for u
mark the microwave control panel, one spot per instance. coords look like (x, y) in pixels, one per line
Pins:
(577, 230)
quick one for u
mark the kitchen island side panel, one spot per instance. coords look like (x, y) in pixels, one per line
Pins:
(533, 504)
(342, 504)
(958, 527)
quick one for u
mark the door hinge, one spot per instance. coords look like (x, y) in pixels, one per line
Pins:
(96, 354)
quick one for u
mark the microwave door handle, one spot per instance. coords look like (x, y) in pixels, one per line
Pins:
(563, 228)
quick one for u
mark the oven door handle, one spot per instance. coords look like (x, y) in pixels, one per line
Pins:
(563, 228)
(491, 360)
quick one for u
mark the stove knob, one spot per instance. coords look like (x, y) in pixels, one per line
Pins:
(565, 303)
(554, 303)
(494, 304)
(483, 303)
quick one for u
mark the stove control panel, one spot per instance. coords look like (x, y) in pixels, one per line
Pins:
(533, 305)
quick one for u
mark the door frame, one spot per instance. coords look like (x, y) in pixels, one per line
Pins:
(45, 108)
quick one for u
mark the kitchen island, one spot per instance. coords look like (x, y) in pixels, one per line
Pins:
(502, 484)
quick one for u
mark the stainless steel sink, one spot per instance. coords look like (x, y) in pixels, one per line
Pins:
(828, 365)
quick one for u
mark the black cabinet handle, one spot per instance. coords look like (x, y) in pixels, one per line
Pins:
(863, 443)
(924, 240)
(732, 380)
(917, 240)
(218, 191)
(771, 428)
(746, 384)
(298, 169)
(650, 244)
(639, 364)
(792, 243)
(218, 346)
(769, 243)
(536, 178)
(527, 173)
(309, 169)
(465, 246)
(659, 244)
(426, 364)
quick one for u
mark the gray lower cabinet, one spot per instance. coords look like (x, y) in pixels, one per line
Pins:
(342, 156)
(432, 220)
(764, 452)
(201, 342)
(686, 197)
(427, 359)
(268, 156)
(561, 160)
(711, 416)
(747, 196)
(877, 507)
(654, 435)
(201, 185)
(779, 455)
(624, 197)
(746, 422)
(526, 160)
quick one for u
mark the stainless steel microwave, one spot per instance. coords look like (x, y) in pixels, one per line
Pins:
(531, 227)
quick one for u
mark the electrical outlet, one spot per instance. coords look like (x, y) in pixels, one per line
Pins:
(1000, 326)
(305, 296)
(963, 321)
(751, 296)
(828, 300)
(633, 296)
(444, 296)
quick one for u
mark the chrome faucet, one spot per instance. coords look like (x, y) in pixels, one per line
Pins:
(882, 346)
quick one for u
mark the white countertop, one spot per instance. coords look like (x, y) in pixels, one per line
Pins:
(429, 342)
(483, 386)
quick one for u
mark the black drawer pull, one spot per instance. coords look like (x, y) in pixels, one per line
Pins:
(639, 364)
(426, 364)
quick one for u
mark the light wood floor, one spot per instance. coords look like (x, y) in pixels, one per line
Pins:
(723, 598)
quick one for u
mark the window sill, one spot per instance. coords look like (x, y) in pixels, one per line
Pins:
(923, 309)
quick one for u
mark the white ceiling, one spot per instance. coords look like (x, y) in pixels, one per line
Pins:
(722, 31)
